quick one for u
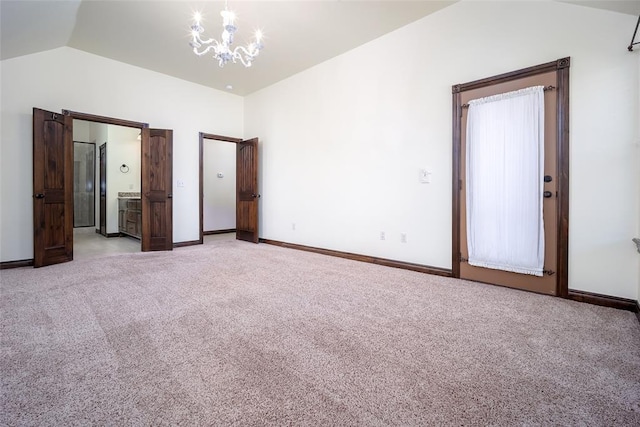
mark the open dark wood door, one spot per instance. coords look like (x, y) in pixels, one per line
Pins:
(103, 189)
(52, 188)
(247, 190)
(157, 202)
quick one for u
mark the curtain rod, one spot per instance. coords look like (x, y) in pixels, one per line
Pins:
(546, 88)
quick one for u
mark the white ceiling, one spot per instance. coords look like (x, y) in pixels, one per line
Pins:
(154, 34)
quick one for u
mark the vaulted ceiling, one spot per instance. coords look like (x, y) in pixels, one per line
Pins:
(154, 34)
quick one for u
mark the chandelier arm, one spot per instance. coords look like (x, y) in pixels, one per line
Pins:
(204, 51)
(248, 57)
(246, 51)
(208, 41)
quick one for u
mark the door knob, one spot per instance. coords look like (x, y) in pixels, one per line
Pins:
(547, 194)
(547, 178)
(169, 196)
(39, 196)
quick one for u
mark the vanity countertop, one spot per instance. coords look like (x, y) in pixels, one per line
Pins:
(128, 195)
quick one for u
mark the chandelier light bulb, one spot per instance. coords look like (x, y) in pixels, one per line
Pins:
(222, 49)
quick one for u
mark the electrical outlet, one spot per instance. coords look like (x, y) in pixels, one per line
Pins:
(382, 236)
(403, 237)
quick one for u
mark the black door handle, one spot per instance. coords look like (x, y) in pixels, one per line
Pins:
(547, 178)
(169, 196)
(39, 196)
(547, 194)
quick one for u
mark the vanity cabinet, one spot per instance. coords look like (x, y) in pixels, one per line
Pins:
(130, 217)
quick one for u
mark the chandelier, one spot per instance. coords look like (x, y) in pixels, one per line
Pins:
(222, 49)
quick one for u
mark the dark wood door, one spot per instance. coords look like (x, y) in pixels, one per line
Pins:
(52, 188)
(157, 202)
(247, 190)
(546, 284)
(103, 189)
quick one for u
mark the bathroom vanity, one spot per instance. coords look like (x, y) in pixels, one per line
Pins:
(129, 215)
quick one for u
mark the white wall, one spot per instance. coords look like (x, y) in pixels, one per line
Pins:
(58, 79)
(342, 143)
(82, 131)
(219, 204)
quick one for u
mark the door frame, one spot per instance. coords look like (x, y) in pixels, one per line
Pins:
(76, 115)
(561, 67)
(203, 136)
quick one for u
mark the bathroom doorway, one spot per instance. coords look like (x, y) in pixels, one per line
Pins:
(103, 220)
(53, 232)
(219, 187)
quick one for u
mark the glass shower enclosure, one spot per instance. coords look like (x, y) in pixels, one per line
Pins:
(84, 177)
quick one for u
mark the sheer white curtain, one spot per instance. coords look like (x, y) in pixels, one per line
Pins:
(504, 169)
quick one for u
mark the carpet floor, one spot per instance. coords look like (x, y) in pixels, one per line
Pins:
(240, 334)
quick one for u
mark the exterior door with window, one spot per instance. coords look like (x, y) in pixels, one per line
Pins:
(547, 283)
(553, 184)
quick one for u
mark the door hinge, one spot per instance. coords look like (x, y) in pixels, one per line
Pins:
(460, 184)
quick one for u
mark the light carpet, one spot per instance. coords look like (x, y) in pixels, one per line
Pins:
(240, 334)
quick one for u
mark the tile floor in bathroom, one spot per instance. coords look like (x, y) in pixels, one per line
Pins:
(89, 244)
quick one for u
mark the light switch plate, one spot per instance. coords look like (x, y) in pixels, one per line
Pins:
(425, 176)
